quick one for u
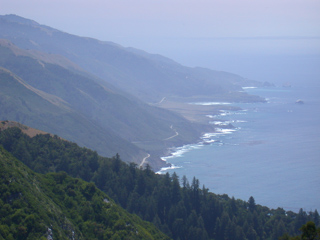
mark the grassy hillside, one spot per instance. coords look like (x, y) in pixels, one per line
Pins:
(37, 109)
(35, 206)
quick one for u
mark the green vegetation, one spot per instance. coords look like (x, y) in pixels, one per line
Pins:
(36, 206)
(180, 209)
(309, 232)
(60, 196)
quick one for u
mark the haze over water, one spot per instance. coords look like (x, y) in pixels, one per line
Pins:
(274, 154)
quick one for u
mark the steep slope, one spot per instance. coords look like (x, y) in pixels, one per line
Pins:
(129, 118)
(147, 127)
(149, 77)
(21, 102)
(56, 206)
(188, 211)
(53, 64)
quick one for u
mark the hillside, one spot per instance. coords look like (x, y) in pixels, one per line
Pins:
(107, 97)
(180, 209)
(37, 109)
(101, 90)
(110, 122)
(147, 76)
(56, 206)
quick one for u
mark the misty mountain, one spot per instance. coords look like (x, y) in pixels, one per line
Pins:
(147, 76)
(94, 92)
(114, 121)
(26, 104)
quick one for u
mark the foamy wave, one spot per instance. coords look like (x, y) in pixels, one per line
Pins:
(210, 103)
(209, 135)
(209, 141)
(221, 129)
(224, 113)
(226, 123)
(217, 123)
(240, 121)
(248, 88)
(225, 130)
(207, 138)
(213, 137)
(162, 170)
(179, 151)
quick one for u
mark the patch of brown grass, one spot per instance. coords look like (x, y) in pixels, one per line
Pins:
(31, 132)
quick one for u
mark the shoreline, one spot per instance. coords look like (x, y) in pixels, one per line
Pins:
(209, 111)
(222, 128)
(260, 153)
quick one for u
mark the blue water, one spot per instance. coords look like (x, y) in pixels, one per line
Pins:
(274, 154)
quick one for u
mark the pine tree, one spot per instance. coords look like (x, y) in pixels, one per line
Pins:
(251, 204)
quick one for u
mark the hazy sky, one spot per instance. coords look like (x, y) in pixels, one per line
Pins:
(173, 18)
(186, 30)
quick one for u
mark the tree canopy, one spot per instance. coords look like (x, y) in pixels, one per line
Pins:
(179, 209)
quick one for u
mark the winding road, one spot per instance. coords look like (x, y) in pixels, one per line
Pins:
(144, 160)
(176, 134)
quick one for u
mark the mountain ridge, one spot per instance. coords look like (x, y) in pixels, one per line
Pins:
(126, 68)
(127, 118)
(110, 87)
(21, 104)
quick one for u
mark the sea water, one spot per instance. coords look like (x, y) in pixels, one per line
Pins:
(272, 153)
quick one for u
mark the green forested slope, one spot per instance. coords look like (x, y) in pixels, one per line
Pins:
(36, 206)
(180, 209)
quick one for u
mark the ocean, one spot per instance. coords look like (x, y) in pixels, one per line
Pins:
(272, 154)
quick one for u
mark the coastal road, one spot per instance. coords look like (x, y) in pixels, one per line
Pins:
(144, 160)
(162, 100)
(176, 134)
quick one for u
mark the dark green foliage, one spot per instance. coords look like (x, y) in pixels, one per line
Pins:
(251, 204)
(25, 211)
(181, 212)
(309, 232)
(35, 206)
(44, 153)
